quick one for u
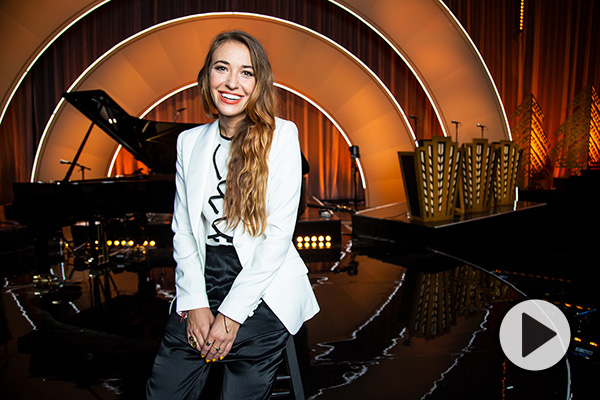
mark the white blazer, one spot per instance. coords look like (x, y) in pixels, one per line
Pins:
(272, 269)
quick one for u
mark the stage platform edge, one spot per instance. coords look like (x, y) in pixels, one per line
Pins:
(501, 226)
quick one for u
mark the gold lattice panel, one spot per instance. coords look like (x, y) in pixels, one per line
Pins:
(506, 171)
(578, 145)
(477, 175)
(430, 178)
(528, 132)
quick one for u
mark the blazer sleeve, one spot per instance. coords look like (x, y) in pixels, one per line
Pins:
(189, 273)
(283, 196)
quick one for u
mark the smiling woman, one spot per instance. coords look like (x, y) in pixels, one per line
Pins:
(242, 287)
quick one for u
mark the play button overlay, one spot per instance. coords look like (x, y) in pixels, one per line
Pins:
(535, 335)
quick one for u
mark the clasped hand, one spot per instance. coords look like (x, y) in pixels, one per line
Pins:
(212, 336)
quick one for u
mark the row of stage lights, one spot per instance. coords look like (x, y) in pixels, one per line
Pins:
(130, 243)
(302, 242)
(313, 242)
(124, 243)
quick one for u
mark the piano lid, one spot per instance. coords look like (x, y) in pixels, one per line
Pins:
(151, 142)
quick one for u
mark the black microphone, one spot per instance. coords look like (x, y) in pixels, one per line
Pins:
(178, 113)
(76, 164)
(483, 127)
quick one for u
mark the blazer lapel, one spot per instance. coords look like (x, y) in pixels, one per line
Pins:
(199, 165)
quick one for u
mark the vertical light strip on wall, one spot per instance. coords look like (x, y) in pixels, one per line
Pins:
(521, 15)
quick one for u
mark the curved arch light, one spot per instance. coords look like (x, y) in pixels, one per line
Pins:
(25, 29)
(439, 52)
(146, 67)
(402, 24)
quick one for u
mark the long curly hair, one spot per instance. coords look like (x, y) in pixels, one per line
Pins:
(248, 170)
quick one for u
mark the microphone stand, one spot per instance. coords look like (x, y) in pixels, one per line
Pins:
(177, 114)
(415, 118)
(82, 168)
(483, 127)
(354, 156)
(457, 124)
(74, 162)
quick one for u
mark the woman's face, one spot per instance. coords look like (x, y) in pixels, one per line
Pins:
(231, 80)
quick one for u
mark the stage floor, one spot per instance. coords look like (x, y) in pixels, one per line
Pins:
(394, 324)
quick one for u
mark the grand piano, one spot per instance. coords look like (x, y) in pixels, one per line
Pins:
(46, 207)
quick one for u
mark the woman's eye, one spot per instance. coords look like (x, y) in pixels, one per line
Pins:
(248, 73)
(220, 68)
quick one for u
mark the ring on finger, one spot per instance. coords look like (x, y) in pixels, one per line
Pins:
(217, 348)
(192, 341)
(208, 344)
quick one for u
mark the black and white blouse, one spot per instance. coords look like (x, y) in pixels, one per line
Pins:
(213, 215)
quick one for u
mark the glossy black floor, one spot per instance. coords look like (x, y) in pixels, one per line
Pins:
(396, 323)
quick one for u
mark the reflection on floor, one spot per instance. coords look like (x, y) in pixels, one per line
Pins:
(395, 324)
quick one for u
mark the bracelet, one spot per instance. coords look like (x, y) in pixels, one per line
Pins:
(225, 323)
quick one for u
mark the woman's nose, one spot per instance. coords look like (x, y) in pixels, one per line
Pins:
(232, 81)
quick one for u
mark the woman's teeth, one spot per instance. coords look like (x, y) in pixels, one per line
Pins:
(230, 96)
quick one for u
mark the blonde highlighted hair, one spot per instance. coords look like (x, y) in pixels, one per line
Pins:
(248, 170)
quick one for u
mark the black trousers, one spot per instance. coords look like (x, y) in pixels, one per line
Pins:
(247, 372)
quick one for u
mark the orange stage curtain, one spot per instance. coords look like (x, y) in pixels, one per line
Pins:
(554, 57)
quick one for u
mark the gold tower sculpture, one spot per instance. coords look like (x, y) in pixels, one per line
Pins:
(478, 158)
(506, 172)
(528, 132)
(430, 176)
(578, 146)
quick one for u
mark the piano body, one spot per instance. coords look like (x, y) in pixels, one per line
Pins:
(46, 207)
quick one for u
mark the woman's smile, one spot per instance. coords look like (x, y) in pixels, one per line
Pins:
(230, 98)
